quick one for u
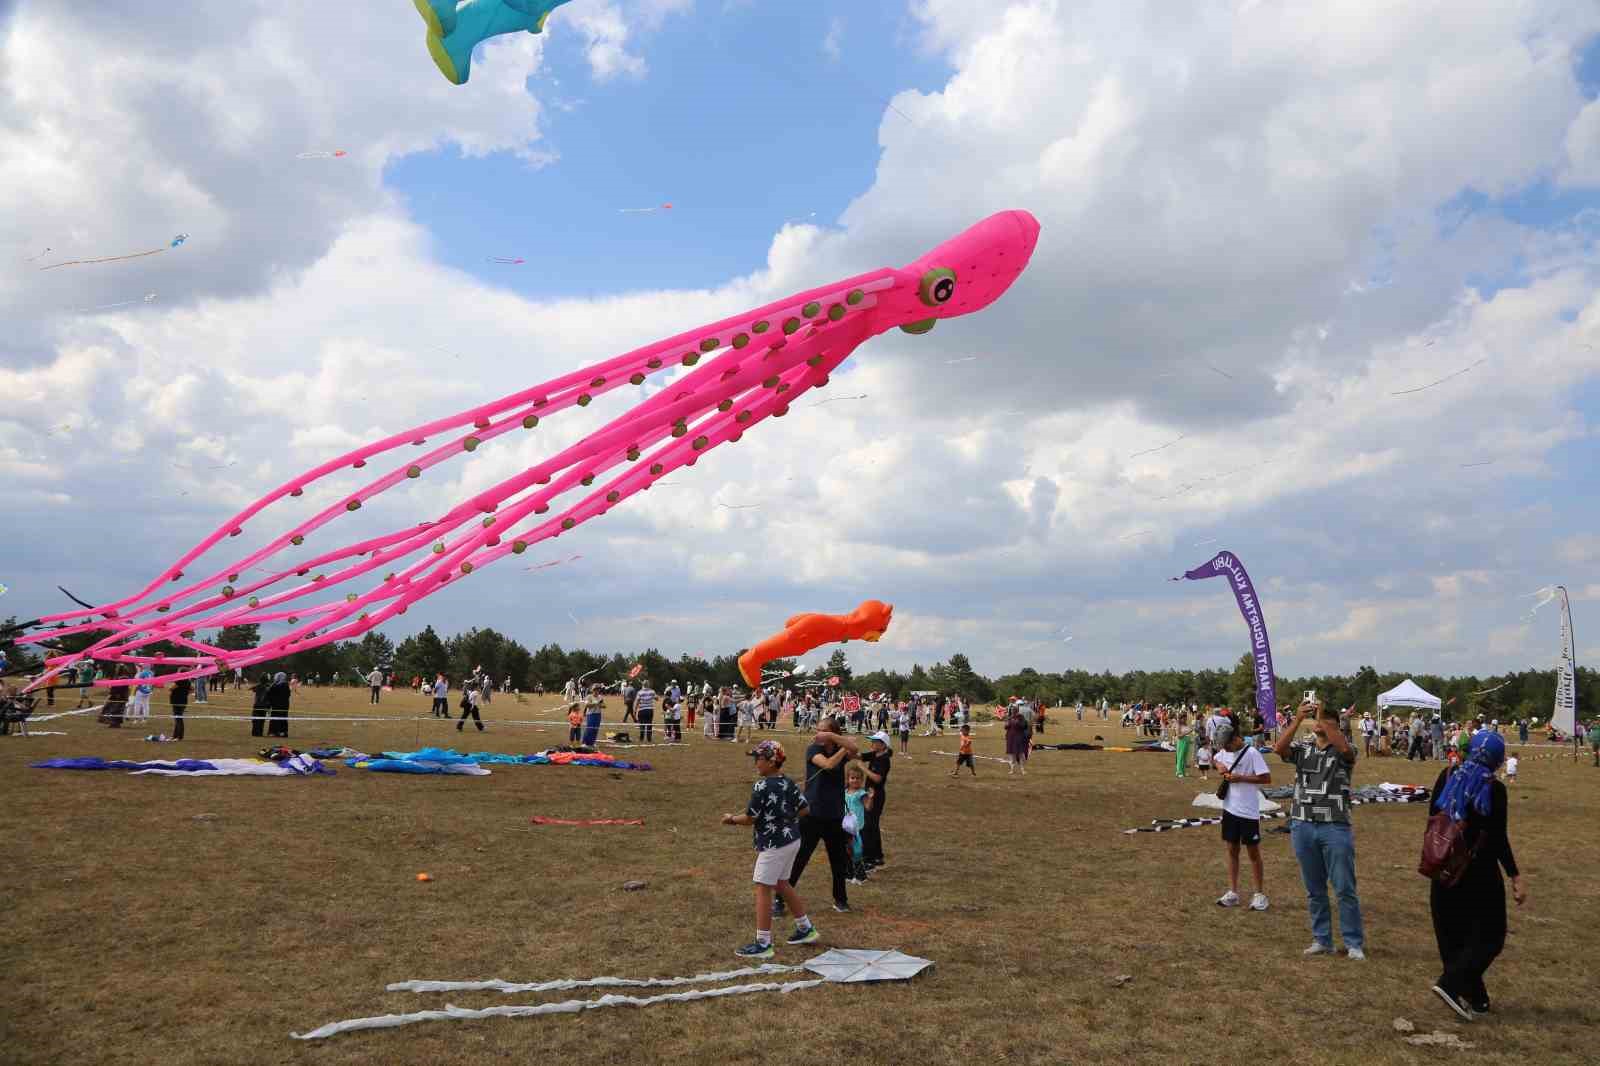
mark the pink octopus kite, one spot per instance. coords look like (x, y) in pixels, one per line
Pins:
(765, 359)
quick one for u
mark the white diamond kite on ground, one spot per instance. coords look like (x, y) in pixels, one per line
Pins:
(840, 964)
(854, 964)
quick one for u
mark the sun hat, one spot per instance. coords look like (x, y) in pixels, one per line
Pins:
(881, 737)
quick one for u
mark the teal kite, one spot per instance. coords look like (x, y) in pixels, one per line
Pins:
(455, 29)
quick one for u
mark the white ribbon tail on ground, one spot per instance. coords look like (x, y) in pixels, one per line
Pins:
(764, 970)
(571, 1006)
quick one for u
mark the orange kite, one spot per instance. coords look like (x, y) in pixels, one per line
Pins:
(806, 631)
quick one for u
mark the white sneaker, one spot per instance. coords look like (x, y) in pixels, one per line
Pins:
(1258, 902)
(1229, 898)
(1357, 954)
(1317, 948)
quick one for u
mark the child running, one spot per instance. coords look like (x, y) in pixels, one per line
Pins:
(855, 818)
(964, 756)
(776, 805)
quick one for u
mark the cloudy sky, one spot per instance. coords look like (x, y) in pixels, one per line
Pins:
(1316, 284)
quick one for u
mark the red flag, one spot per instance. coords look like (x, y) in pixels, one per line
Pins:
(638, 668)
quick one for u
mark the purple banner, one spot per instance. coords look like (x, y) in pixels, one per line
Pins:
(1224, 563)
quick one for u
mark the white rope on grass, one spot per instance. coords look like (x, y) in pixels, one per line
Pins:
(571, 1006)
(497, 985)
(986, 758)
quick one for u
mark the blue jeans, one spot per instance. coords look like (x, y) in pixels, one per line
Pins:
(1326, 852)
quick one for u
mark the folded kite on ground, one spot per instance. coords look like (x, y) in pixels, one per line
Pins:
(417, 766)
(299, 766)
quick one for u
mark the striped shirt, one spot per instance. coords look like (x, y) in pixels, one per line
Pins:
(644, 702)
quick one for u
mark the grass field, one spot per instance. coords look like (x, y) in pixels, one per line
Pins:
(136, 932)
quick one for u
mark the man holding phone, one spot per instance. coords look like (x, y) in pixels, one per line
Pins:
(1324, 843)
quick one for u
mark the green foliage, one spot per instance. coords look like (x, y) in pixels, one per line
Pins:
(238, 638)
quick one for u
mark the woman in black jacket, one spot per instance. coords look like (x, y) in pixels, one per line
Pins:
(1469, 918)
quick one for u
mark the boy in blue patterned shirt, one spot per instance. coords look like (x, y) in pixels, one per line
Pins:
(776, 804)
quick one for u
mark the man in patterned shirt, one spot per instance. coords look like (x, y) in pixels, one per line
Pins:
(1324, 843)
(776, 805)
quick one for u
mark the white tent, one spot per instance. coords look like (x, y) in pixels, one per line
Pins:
(1408, 694)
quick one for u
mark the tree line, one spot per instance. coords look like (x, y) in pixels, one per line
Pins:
(1522, 693)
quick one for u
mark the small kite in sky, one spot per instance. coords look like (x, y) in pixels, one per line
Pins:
(1481, 462)
(836, 399)
(337, 154)
(643, 210)
(506, 260)
(454, 30)
(174, 243)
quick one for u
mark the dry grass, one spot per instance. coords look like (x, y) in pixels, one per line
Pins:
(136, 933)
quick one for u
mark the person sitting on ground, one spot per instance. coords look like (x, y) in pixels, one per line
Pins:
(1244, 771)
(774, 811)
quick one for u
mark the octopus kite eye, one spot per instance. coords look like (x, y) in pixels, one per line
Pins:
(937, 286)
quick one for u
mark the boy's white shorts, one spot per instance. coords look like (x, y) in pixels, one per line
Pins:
(775, 864)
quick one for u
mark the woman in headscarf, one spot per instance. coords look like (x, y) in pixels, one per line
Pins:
(1469, 918)
(278, 702)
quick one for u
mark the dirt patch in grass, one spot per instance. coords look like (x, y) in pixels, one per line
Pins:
(139, 933)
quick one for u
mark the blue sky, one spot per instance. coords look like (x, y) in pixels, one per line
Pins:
(745, 122)
(1257, 230)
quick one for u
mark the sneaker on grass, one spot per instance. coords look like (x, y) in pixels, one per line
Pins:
(777, 908)
(1229, 898)
(1258, 902)
(1357, 954)
(1318, 948)
(807, 936)
(755, 950)
(1459, 1006)
(842, 908)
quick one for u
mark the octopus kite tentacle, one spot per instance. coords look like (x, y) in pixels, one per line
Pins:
(764, 359)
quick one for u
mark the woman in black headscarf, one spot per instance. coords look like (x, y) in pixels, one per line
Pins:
(278, 702)
(1469, 917)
